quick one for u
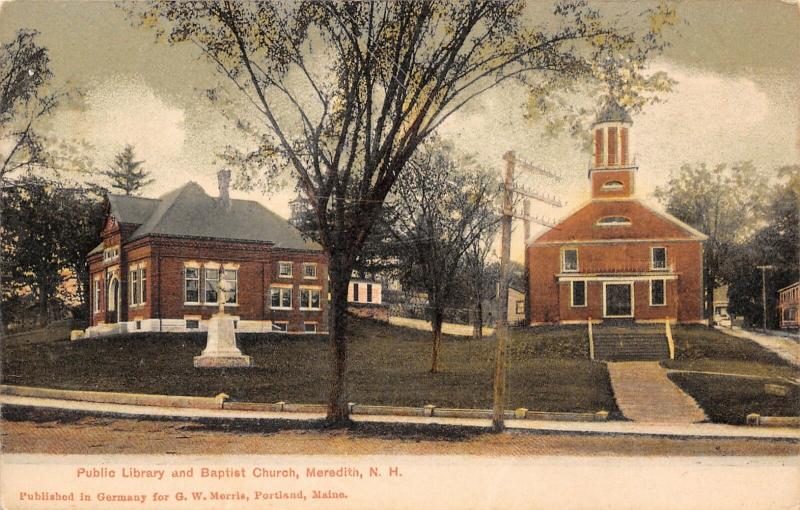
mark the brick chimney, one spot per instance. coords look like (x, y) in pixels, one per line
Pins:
(224, 181)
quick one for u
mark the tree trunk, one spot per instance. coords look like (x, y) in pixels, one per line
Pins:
(338, 411)
(437, 317)
(477, 325)
(43, 305)
(709, 312)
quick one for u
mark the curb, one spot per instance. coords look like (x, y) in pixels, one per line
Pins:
(103, 397)
(773, 421)
(221, 402)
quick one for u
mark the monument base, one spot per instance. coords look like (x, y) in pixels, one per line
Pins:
(221, 350)
(240, 361)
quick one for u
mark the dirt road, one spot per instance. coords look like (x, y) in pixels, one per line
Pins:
(99, 435)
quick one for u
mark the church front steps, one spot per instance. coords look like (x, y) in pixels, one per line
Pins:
(630, 346)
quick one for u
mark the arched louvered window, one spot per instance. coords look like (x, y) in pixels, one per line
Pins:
(614, 221)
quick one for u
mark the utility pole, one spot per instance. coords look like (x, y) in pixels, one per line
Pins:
(501, 328)
(499, 388)
(764, 295)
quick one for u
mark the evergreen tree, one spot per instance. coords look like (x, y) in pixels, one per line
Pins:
(127, 174)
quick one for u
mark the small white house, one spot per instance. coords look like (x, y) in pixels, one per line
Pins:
(516, 307)
(365, 292)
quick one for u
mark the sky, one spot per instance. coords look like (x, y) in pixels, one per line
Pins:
(736, 63)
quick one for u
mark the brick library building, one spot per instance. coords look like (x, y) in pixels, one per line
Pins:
(160, 263)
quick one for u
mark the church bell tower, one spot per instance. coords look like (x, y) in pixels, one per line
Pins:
(612, 172)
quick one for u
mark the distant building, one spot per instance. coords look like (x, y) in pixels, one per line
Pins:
(365, 299)
(161, 260)
(365, 292)
(615, 257)
(516, 307)
(789, 306)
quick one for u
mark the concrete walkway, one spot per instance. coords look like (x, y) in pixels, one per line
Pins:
(447, 328)
(644, 393)
(787, 347)
(705, 430)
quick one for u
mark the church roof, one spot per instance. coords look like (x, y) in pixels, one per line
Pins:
(645, 223)
(613, 112)
(189, 212)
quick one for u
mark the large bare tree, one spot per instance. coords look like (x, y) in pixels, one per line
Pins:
(342, 93)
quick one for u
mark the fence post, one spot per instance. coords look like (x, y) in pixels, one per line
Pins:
(670, 342)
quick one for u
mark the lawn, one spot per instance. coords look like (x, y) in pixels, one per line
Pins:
(548, 368)
(731, 399)
(703, 343)
(728, 399)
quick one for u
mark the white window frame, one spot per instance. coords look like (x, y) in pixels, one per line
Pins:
(285, 325)
(111, 253)
(663, 294)
(235, 287)
(653, 258)
(137, 281)
(281, 265)
(307, 265)
(564, 260)
(281, 290)
(96, 295)
(309, 290)
(133, 287)
(142, 285)
(306, 325)
(572, 294)
(186, 280)
(214, 287)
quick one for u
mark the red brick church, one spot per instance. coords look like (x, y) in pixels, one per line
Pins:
(161, 260)
(615, 257)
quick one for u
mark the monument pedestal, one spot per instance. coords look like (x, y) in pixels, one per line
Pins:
(221, 350)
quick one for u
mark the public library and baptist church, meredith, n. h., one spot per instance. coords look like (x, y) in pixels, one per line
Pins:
(160, 260)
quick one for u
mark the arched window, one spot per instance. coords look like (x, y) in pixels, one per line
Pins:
(612, 186)
(614, 221)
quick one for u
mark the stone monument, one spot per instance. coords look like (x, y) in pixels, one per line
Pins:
(221, 350)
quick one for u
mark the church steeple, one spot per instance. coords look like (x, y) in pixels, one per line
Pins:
(611, 172)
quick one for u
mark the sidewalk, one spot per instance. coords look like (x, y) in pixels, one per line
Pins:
(644, 393)
(447, 328)
(695, 430)
(786, 347)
